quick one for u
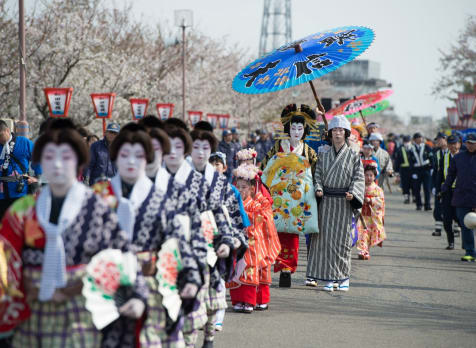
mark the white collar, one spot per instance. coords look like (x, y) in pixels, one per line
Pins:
(71, 207)
(140, 190)
(127, 208)
(162, 179)
(286, 145)
(183, 173)
(53, 274)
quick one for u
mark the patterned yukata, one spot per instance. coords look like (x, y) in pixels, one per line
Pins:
(373, 214)
(220, 195)
(330, 251)
(187, 191)
(93, 227)
(289, 239)
(252, 285)
(147, 227)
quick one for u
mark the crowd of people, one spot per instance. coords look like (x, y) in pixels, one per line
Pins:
(199, 216)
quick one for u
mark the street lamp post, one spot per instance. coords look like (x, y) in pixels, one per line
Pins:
(183, 19)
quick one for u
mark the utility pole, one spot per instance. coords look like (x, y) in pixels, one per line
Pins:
(22, 125)
(183, 19)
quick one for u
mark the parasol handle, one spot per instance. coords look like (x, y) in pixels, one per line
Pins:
(319, 104)
(361, 115)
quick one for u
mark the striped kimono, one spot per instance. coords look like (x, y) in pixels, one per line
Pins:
(330, 251)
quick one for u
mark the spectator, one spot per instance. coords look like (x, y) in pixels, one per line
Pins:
(226, 146)
(462, 169)
(100, 165)
(422, 163)
(15, 158)
(263, 145)
(236, 139)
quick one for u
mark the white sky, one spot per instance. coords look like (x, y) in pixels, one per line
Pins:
(409, 34)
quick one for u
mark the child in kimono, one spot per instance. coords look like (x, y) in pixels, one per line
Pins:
(249, 288)
(46, 242)
(373, 212)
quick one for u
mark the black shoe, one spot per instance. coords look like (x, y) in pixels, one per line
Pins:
(207, 344)
(436, 233)
(406, 201)
(427, 208)
(450, 247)
(419, 207)
(285, 280)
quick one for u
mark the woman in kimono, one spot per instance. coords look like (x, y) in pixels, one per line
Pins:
(373, 212)
(223, 204)
(141, 211)
(46, 242)
(339, 184)
(249, 288)
(288, 172)
(188, 188)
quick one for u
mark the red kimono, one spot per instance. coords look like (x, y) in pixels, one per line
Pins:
(252, 286)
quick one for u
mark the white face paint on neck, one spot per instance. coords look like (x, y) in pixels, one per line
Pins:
(60, 167)
(296, 131)
(201, 152)
(131, 162)
(152, 168)
(175, 158)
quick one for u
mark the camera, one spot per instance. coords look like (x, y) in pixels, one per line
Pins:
(20, 186)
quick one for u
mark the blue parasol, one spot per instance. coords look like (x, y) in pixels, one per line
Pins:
(303, 60)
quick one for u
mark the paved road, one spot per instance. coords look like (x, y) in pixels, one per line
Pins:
(411, 293)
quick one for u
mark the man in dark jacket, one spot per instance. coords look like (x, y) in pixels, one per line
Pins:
(100, 165)
(228, 148)
(422, 163)
(439, 151)
(403, 167)
(235, 139)
(463, 169)
(263, 145)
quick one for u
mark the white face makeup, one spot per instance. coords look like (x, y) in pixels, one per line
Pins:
(201, 152)
(131, 162)
(174, 159)
(59, 164)
(153, 167)
(296, 131)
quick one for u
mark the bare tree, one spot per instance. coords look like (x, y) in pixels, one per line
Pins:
(458, 64)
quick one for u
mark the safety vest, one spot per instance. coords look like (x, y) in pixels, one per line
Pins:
(446, 165)
(405, 163)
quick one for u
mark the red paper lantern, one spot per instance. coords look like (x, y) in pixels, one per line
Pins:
(224, 120)
(194, 117)
(165, 111)
(103, 103)
(213, 119)
(58, 100)
(453, 117)
(139, 108)
(465, 104)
